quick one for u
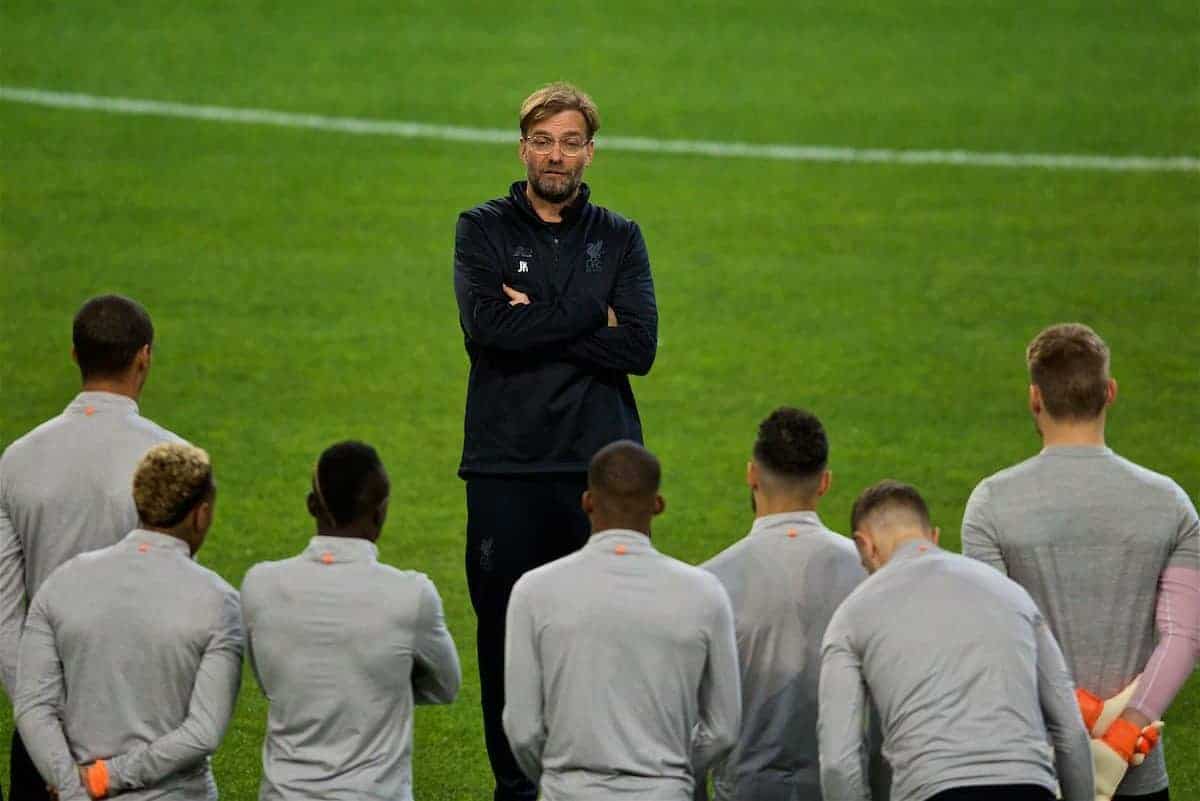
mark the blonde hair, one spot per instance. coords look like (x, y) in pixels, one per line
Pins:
(1069, 364)
(171, 479)
(557, 97)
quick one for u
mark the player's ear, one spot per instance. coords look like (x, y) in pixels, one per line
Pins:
(587, 502)
(74, 355)
(314, 508)
(751, 475)
(1035, 400)
(1110, 392)
(826, 482)
(590, 151)
(660, 505)
(937, 532)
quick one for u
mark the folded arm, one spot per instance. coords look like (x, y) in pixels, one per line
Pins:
(979, 535)
(209, 710)
(716, 732)
(491, 319)
(436, 673)
(1056, 692)
(36, 703)
(523, 721)
(629, 346)
(842, 721)
(12, 599)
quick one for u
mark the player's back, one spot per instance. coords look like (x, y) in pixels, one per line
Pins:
(332, 634)
(784, 580)
(132, 624)
(949, 652)
(623, 644)
(1087, 534)
(66, 486)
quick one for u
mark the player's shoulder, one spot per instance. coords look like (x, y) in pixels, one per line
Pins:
(1008, 475)
(489, 212)
(731, 558)
(152, 433)
(29, 444)
(1151, 480)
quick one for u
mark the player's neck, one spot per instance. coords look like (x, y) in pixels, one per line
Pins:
(1072, 433)
(116, 386)
(765, 505)
(545, 210)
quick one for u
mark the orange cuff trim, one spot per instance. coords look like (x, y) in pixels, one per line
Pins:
(1148, 740)
(1090, 706)
(1122, 737)
(97, 778)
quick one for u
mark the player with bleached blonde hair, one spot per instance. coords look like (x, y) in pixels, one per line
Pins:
(131, 658)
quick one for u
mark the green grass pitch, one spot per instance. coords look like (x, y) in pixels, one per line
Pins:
(300, 280)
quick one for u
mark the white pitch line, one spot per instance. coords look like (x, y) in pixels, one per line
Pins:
(420, 130)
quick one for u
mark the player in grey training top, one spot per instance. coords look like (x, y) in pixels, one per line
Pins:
(621, 676)
(343, 646)
(1109, 550)
(784, 580)
(65, 486)
(966, 676)
(131, 658)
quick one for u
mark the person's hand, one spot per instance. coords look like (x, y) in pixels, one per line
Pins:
(1122, 745)
(612, 318)
(516, 298)
(94, 778)
(1099, 714)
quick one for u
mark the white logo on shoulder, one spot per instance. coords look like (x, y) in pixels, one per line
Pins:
(523, 267)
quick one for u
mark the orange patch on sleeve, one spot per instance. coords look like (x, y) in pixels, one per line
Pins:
(89, 411)
(620, 550)
(143, 548)
(327, 558)
(792, 533)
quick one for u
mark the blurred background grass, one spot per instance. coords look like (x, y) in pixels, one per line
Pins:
(301, 280)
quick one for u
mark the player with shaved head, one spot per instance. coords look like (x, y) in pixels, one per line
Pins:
(131, 658)
(1109, 550)
(784, 580)
(966, 677)
(621, 674)
(343, 646)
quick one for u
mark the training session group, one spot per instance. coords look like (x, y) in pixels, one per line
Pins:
(807, 660)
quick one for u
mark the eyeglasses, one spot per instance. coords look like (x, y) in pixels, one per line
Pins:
(544, 145)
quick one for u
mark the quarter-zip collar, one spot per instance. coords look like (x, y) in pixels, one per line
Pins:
(620, 541)
(570, 214)
(145, 540)
(786, 520)
(329, 550)
(92, 402)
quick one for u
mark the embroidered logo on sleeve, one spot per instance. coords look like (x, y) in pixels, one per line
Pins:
(595, 257)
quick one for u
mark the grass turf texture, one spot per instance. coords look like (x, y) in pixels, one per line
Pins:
(300, 281)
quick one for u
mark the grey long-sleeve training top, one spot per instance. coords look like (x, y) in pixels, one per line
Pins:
(342, 646)
(784, 579)
(965, 674)
(1089, 535)
(620, 673)
(132, 654)
(66, 487)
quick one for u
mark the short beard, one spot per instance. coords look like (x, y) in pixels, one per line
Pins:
(555, 195)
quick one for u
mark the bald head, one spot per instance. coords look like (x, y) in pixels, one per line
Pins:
(623, 483)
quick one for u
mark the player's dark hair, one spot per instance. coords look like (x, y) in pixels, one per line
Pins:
(624, 477)
(350, 482)
(889, 494)
(1069, 364)
(107, 333)
(792, 444)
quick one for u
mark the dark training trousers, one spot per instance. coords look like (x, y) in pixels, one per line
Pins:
(995, 792)
(24, 781)
(1023, 792)
(514, 524)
